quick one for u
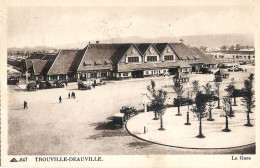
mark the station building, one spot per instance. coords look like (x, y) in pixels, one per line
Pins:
(118, 61)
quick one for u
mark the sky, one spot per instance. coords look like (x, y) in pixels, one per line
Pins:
(55, 26)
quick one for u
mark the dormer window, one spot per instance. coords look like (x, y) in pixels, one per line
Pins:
(84, 64)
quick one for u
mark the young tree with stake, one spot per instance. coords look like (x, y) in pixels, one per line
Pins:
(217, 86)
(248, 97)
(226, 108)
(200, 110)
(210, 94)
(230, 91)
(158, 98)
(178, 88)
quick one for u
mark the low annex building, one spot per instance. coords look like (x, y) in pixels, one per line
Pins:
(117, 61)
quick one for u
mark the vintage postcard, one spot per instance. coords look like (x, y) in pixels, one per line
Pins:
(129, 84)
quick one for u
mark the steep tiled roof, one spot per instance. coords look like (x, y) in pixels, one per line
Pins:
(38, 66)
(206, 57)
(66, 61)
(160, 46)
(28, 63)
(102, 56)
(184, 52)
(49, 57)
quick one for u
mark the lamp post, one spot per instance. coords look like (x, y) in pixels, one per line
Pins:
(188, 117)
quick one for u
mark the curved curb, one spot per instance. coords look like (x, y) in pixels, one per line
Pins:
(182, 146)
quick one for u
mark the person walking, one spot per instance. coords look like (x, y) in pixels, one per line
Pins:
(60, 99)
(69, 95)
(25, 104)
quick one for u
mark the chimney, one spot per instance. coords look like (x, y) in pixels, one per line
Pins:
(97, 42)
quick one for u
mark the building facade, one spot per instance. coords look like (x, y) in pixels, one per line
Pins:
(119, 61)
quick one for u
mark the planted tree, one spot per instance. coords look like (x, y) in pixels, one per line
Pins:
(200, 110)
(248, 97)
(158, 98)
(230, 92)
(217, 86)
(178, 88)
(226, 108)
(210, 102)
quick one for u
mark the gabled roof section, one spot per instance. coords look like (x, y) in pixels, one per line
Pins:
(102, 56)
(38, 66)
(66, 61)
(160, 46)
(28, 63)
(206, 57)
(142, 47)
(184, 52)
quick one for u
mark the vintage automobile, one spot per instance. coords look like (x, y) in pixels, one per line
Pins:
(205, 71)
(82, 85)
(31, 86)
(59, 84)
(51, 84)
(218, 79)
(98, 82)
(43, 85)
(243, 63)
(12, 80)
(118, 119)
(128, 111)
(235, 69)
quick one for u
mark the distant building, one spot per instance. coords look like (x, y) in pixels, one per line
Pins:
(242, 55)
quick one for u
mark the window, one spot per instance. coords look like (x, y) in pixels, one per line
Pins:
(151, 58)
(168, 57)
(133, 59)
(125, 74)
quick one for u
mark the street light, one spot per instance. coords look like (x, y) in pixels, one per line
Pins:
(188, 122)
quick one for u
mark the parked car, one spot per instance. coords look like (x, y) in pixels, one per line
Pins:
(235, 69)
(98, 82)
(12, 80)
(118, 119)
(31, 86)
(59, 84)
(218, 79)
(82, 85)
(128, 111)
(205, 71)
(243, 63)
(43, 85)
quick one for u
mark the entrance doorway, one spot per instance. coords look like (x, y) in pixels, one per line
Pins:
(173, 71)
